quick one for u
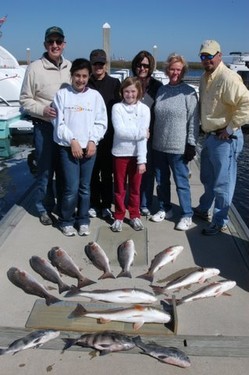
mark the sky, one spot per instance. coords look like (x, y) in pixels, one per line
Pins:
(170, 25)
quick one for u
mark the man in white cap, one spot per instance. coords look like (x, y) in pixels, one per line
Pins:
(224, 103)
(42, 79)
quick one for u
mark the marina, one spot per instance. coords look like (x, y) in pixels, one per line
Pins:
(212, 332)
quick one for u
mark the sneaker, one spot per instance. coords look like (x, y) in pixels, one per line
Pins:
(184, 223)
(106, 213)
(214, 229)
(161, 215)
(92, 212)
(84, 230)
(117, 226)
(45, 219)
(136, 224)
(68, 231)
(144, 211)
(204, 215)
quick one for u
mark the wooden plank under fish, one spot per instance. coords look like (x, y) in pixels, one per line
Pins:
(204, 346)
(56, 317)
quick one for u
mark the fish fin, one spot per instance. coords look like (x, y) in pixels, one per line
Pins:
(124, 274)
(77, 312)
(104, 352)
(137, 325)
(84, 282)
(50, 300)
(49, 287)
(106, 275)
(3, 351)
(157, 289)
(146, 276)
(226, 294)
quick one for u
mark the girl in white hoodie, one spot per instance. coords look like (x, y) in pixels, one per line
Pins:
(131, 120)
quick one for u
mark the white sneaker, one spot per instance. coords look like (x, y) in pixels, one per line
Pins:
(84, 230)
(92, 212)
(117, 226)
(184, 223)
(68, 231)
(161, 215)
(136, 224)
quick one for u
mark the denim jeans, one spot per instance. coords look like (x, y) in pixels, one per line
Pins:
(45, 154)
(218, 174)
(148, 180)
(76, 174)
(164, 164)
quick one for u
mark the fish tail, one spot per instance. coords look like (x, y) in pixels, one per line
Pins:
(107, 275)
(68, 343)
(146, 276)
(85, 282)
(50, 300)
(72, 291)
(63, 288)
(77, 312)
(3, 351)
(124, 274)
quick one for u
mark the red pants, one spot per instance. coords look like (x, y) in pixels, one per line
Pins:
(124, 167)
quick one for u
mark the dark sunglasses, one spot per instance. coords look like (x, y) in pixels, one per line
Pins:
(145, 66)
(207, 57)
(57, 41)
(98, 63)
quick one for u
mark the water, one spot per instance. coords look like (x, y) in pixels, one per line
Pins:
(15, 176)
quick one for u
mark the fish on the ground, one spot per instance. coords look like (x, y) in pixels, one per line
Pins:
(30, 285)
(99, 259)
(214, 289)
(126, 253)
(161, 259)
(48, 272)
(128, 295)
(136, 315)
(34, 339)
(105, 342)
(169, 355)
(199, 275)
(65, 264)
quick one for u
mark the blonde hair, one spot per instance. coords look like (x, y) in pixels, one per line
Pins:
(173, 58)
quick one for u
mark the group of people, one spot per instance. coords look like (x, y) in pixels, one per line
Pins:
(91, 129)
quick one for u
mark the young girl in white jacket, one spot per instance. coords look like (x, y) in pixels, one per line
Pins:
(131, 120)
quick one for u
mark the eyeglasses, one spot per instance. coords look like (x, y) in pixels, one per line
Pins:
(145, 66)
(207, 57)
(56, 41)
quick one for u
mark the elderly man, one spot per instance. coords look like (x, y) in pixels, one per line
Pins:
(224, 103)
(42, 79)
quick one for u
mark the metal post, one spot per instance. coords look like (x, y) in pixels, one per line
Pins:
(155, 55)
(106, 35)
(28, 56)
